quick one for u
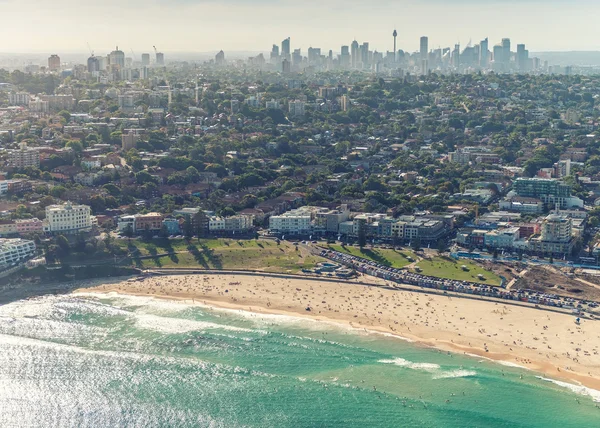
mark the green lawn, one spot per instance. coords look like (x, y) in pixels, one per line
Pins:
(223, 254)
(386, 257)
(446, 267)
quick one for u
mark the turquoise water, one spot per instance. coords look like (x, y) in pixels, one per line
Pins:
(108, 360)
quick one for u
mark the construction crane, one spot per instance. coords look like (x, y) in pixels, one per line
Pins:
(155, 50)
(90, 48)
(133, 54)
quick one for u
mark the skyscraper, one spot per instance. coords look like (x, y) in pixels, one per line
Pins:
(220, 58)
(117, 57)
(93, 65)
(160, 58)
(483, 53)
(275, 54)
(364, 55)
(354, 53)
(145, 59)
(54, 63)
(345, 57)
(424, 47)
(522, 58)
(506, 52)
(285, 49)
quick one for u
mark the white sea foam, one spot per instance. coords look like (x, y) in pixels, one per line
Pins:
(428, 367)
(577, 389)
(501, 362)
(179, 325)
(432, 368)
(455, 374)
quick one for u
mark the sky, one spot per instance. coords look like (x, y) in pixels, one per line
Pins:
(66, 26)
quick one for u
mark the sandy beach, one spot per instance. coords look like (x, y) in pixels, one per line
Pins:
(547, 342)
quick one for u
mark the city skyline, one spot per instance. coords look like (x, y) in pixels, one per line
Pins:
(208, 26)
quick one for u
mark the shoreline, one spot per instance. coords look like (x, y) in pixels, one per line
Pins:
(237, 293)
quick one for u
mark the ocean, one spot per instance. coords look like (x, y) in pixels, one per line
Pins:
(107, 360)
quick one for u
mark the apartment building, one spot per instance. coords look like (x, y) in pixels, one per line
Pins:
(68, 218)
(24, 157)
(13, 251)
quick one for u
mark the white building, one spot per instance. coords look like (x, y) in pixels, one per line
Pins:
(297, 108)
(237, 223)
(297, 221)
(272, 105)
(19, 98)
(13, 251)
(68, 218)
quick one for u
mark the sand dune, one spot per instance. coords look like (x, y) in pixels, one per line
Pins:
(543, 341)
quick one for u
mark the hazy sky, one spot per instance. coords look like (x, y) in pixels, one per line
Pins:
(254, 25)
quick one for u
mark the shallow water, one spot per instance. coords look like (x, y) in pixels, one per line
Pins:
(108, 360)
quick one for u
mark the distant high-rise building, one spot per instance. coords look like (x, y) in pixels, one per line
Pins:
(160, 58)
(286, 66)
(54, 63)
(522, 58)
(286, 49)
(506, 52)
(484, 53)
(220, 58)
(146, 59)
(314, 55)
(424, 47)
(117, 57)
(354, 54)
(93, 65)
(344, 103)
(345, 57)
(456, 56)
(297, 58)
(275, 54)
(364, 55)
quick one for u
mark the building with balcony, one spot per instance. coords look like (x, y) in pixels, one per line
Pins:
(68, 218)
(14, 251)
(24, 157)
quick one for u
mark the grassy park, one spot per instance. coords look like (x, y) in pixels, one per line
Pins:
(447, 267)
(264, 255)
(387, 257)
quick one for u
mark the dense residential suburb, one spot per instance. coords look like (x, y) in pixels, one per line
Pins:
(484, 168)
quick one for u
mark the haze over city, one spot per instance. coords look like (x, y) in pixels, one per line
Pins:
(240, 25)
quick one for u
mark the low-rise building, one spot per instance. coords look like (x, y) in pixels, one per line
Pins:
(14, 251)
(31, 225)
(294, 222)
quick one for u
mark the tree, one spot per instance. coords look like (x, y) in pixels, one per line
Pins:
(362, 233)
(75, 145)
(416, 244)
(65, 115)
(201, 221)
(164, 231)
(442, 246)
(128, 231)
(58, 191)
(63, 246)
(188, 229)
(143, 177)
(97, 203)
(227, 212)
